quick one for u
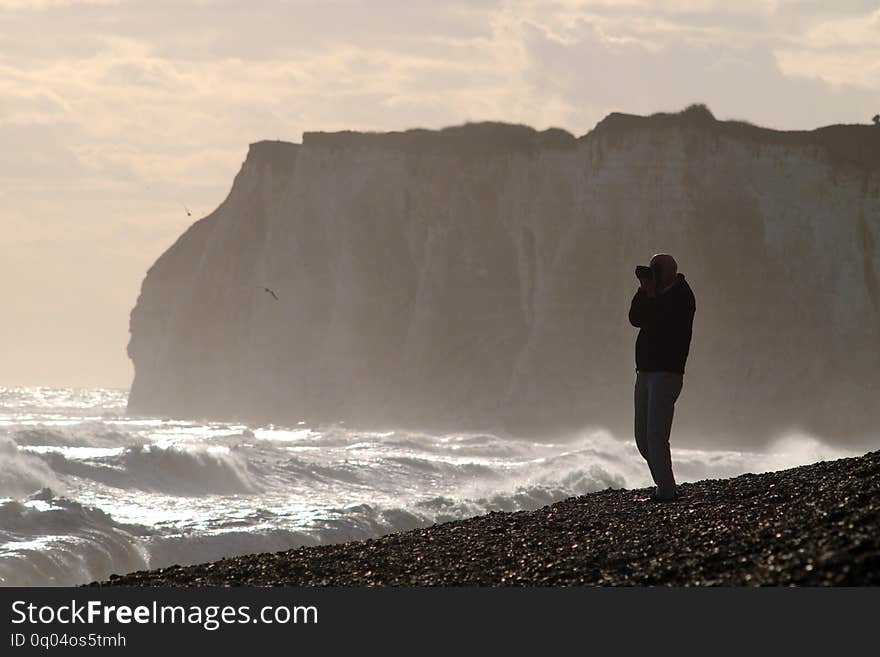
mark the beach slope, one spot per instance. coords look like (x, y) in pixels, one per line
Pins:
(812, 525)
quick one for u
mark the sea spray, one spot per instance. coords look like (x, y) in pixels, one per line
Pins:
(88, 491)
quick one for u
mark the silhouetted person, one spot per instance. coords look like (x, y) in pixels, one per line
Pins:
(663, 310)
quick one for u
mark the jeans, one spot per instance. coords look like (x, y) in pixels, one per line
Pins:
(655, 396)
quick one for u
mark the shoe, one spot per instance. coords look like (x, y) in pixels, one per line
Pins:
(663, 498)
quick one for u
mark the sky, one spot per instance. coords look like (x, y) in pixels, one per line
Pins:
(116, 115)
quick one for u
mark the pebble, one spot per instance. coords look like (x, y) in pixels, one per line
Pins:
(812, 525)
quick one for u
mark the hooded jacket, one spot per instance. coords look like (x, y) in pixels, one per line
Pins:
(665, 323)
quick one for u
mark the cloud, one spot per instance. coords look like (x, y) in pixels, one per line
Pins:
(598, 63)
(38, 5)
(843, 51)
(32, 152)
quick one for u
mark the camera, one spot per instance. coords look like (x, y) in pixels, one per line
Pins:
(643, 272)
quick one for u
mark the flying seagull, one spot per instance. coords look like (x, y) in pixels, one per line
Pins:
(272, 292)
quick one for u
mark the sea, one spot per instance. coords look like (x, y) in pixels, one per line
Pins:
(87, 491)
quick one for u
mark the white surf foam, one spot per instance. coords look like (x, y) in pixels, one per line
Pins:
(132, 493)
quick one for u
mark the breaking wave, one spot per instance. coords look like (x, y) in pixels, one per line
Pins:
(22, 473)
(90, 492)
(49, 541)
(184, 472)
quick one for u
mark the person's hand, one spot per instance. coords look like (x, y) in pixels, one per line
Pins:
(648, 286)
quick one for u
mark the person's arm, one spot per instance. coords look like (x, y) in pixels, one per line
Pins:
(678, 322)
(642, 309)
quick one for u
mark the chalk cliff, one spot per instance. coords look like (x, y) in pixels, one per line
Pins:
(479, 277)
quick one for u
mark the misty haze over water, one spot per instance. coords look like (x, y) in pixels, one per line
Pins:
(86, 491)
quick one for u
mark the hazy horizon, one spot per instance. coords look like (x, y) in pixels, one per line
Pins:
(122, 113)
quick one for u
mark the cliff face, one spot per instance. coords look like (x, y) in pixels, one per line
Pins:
(479, 277)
